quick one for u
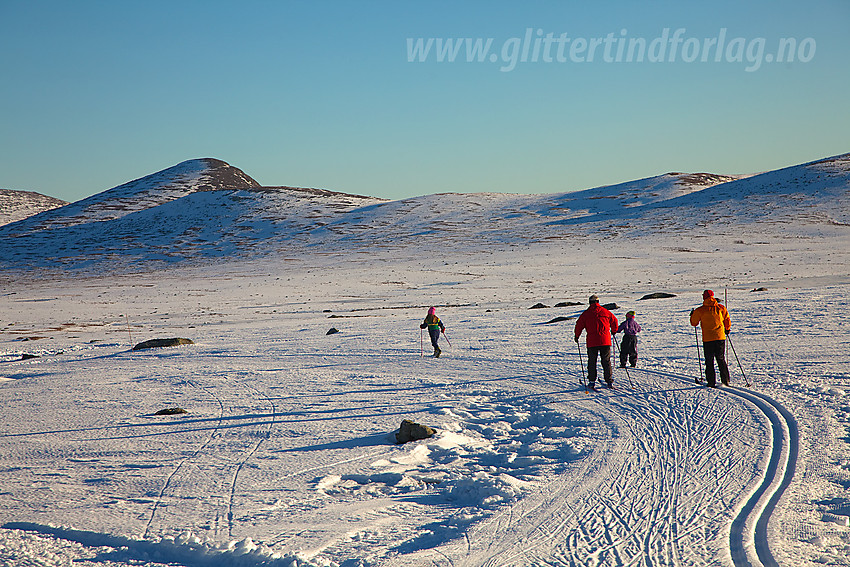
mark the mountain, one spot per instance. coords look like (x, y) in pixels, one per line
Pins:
(198, 208)
(18, 205)
(207, 209)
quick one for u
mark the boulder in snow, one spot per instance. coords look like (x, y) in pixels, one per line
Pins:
(411, 431)
(160, 343)
(836, 519)
(657, 295)
(557, 320)
(171, 411)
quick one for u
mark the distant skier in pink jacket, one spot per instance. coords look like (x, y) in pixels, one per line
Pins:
(435, 327)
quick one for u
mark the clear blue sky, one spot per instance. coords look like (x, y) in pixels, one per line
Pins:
(323, 94)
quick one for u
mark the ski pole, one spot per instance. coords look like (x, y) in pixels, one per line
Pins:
(447, 337)
(699, 359)
(741, 368)
(581, 361)
(746, 380)
(616, 350)
(421, 343)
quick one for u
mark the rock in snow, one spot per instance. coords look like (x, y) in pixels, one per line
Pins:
(161, 343)
(657, 295)
(411, 431)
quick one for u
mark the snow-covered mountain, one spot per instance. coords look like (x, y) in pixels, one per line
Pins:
(286, 455)
(206, 208)
(18, 205)
(201, 207)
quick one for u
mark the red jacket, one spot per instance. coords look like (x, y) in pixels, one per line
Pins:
(599, 323)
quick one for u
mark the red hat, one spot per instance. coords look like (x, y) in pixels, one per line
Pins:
(707, 293)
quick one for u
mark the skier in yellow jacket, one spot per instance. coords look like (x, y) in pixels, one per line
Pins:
(713, 317)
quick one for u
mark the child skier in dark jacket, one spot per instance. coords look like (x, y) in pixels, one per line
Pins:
(628, 347)
(435, 327)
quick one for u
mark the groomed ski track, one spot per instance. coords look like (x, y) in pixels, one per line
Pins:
(667, 484)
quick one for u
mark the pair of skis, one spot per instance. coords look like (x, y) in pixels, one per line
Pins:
(588, 387)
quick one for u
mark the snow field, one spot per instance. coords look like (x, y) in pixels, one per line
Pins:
(286, 455)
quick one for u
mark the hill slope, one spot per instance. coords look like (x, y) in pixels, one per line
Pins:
(201, 207)
(18, 205)
(207, 209)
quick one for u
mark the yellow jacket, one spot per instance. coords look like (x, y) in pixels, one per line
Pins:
(714, 320)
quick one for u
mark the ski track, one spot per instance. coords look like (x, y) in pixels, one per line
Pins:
(160, 499)
(676, 438)
(200, 458)
(748, 539)
(247, 456)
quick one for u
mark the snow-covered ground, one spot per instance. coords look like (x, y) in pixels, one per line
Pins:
(287, 456)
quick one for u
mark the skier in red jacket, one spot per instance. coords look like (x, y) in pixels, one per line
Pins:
(600, 324)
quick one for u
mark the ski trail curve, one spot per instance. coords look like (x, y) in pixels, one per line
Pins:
(748, 539)
(748, 536)
(661, 486)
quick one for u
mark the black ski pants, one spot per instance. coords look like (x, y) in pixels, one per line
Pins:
(604, 352)
(628, 350)
(715, 350)
(435, 336)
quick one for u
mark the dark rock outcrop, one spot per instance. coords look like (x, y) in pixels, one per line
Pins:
(160, 343)
(657, 295)
(411, 431)
(557, 320)
(171, 411)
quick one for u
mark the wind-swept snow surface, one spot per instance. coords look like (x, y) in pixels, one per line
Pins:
(286, 454)
(288, 440)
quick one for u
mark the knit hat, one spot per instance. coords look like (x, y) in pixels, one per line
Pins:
(707, 293)
(432, 311)
(594, 299)
(630, 314)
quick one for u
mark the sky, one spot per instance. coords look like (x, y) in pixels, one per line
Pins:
(341, 95)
